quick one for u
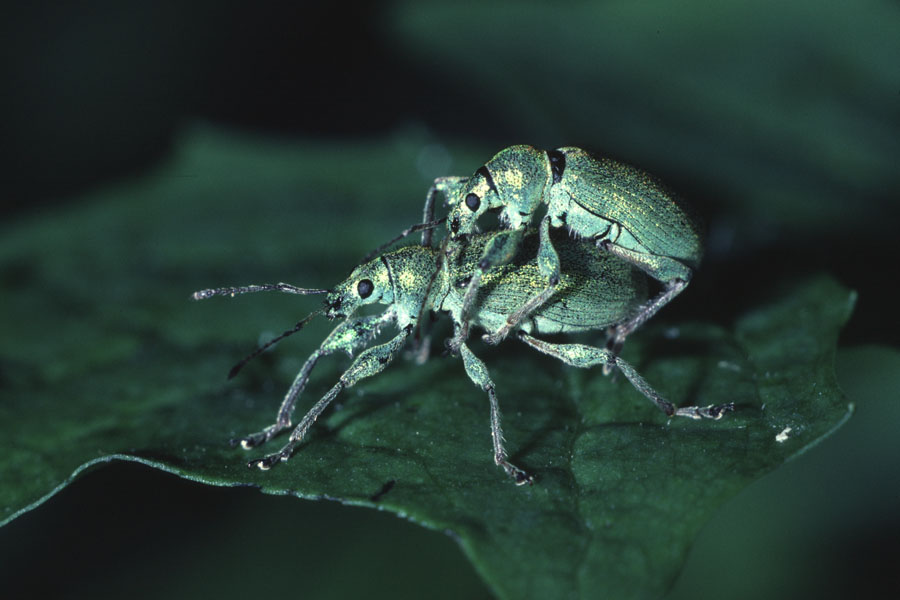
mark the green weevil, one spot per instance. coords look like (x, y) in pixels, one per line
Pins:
(595, 290)
(625, 211)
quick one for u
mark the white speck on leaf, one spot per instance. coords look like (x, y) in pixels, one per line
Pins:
(783, 436)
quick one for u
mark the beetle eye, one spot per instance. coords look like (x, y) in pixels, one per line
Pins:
(473, 202)
(364, 288)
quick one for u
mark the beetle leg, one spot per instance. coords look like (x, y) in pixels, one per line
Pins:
(674, 276)
(549, 266)
(448, 186)
(499, 250)
(672, 289)
(371, 362)
(478, 373)
(347, 336)
(460, 334)
(583, 356)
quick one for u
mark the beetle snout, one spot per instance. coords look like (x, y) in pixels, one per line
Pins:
(333, 303)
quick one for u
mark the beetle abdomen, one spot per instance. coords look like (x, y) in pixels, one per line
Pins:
(596, 289)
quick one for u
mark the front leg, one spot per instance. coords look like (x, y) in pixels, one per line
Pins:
(371, 362)
(549, 266)
(347, 336)
(479, 375)
(501, 248)
(449, 187)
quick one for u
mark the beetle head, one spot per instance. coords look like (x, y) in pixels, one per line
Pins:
(512, 181)
(477, 197)
(369, 283)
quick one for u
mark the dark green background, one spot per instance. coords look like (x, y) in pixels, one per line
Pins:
(781, 123)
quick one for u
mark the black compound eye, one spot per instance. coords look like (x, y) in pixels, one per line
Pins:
(473, 202)
(364, 288)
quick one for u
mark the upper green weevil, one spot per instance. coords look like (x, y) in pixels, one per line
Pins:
(595, 290)
(625, 211)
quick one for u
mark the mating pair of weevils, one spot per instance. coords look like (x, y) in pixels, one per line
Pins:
(605, 227)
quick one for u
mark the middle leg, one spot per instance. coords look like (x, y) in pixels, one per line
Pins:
(549, 267)
(478, 373)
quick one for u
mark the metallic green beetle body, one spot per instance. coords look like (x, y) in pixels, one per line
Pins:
(624, 210)
(605, 200)
(595, 290)
(595, 198)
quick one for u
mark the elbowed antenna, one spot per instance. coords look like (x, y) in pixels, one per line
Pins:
(403, 234)
(247, 289)
(266, 287)
(236, 368)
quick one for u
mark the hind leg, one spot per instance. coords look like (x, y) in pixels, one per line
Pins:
(583, 356)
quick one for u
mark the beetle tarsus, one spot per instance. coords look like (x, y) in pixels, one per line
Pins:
(518, 475)
(713, 411)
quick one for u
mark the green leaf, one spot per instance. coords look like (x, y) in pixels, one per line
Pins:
(104, 358)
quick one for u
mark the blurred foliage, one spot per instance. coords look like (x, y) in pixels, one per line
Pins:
(791, 105)
(781, 122)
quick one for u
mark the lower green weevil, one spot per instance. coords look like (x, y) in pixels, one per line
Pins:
(596, 290)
